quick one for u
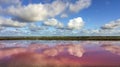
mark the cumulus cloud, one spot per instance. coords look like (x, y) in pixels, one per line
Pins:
(19, 13)
(37, 12)
(41, 12)
(56, 8)
(112, 25)
(7, 22)
(30, 13)
(79, 5)
(53, 22)
(76, 23)
(75, 7)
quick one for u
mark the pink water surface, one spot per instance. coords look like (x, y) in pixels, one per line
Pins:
(80, 54)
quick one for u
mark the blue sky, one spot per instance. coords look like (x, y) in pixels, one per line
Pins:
(52, 17)
(101, 12)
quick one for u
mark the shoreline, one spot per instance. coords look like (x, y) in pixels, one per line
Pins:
(116, 38)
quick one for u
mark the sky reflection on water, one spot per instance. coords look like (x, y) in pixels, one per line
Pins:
(23, 53)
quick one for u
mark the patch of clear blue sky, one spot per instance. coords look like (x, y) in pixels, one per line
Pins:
(99, 13)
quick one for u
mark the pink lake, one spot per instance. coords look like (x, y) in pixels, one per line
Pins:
(37, 53)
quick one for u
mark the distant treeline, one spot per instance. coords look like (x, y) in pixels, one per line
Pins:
(62, 38)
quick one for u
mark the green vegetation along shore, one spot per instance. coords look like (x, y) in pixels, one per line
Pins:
(61, 38)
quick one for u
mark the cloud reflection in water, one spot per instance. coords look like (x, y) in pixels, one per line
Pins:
(59, 53)
(112, 48)
(39, 54)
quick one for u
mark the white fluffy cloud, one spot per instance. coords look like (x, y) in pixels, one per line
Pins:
(53, 22)
(112, 25)
(41, 12)
(79, 5)
(37, 12)
(56, 8)
(10, 23)
(30, 13)
(76, 23)
(19, 13)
